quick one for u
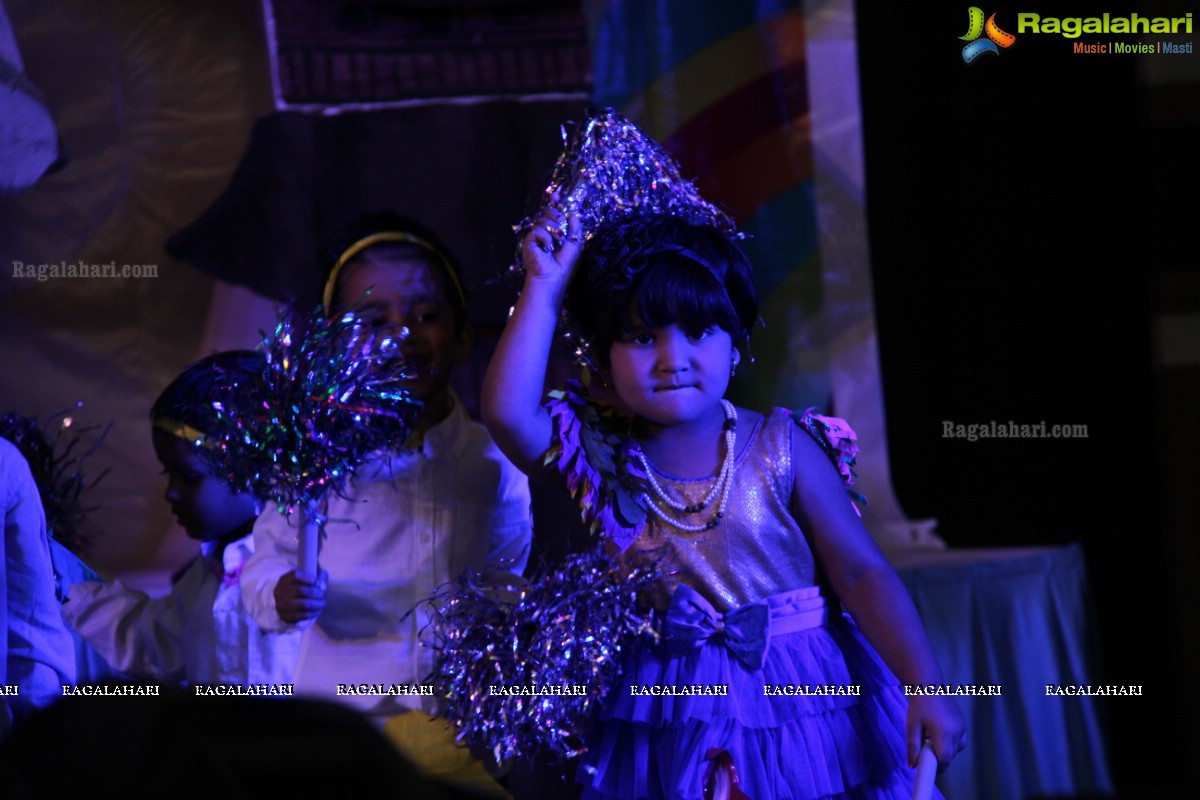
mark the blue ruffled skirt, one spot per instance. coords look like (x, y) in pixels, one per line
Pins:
(783, 746)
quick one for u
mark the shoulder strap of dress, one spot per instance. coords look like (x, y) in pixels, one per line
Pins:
(839, 442)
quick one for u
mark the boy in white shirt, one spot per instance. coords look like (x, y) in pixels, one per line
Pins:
(411, 519)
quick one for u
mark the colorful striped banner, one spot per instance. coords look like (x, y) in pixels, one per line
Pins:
(723, 85)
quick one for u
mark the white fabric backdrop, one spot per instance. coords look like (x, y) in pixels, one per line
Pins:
(154, 101)
(849, 308)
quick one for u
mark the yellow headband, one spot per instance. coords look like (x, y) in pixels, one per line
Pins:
(388, 236)
(183, 431)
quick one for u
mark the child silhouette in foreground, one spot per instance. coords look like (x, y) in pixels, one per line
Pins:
(760, 547)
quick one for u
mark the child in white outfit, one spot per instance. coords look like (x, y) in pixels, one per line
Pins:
(200, 633)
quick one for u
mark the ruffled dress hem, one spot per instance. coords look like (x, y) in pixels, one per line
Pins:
(822, 718)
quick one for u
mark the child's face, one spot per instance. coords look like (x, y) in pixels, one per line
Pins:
(668, 377)
(202, 503)
(409, 293)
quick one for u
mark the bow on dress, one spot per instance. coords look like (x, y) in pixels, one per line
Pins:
(691, 621)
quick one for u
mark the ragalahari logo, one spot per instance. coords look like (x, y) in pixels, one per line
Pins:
(976, 28)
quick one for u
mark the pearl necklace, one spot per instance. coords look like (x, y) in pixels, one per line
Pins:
(721, 485)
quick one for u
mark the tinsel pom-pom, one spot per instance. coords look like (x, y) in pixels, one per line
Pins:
(56, 461)
(330, 393)
(610, 169)
(523, 669)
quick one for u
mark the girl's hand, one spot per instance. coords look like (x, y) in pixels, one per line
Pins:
(299, 599)
(546, 252)
(938, 719)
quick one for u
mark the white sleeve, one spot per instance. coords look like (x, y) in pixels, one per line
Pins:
(275, 553)
(136, 633)
(37, 649)
(512, 521)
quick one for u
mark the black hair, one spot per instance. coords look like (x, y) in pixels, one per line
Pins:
(214, 379)
(664, 270)
(437, 255)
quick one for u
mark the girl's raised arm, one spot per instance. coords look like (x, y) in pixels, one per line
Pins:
(512, 389)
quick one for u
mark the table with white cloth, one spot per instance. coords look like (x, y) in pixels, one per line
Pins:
(1020, 618)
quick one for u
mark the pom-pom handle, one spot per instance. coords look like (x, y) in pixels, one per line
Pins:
(309, 545)
(926, 771)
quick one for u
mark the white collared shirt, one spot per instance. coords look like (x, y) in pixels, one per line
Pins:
(409, 523)
(200, 633)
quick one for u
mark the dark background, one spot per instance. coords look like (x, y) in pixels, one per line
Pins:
(1029, 217)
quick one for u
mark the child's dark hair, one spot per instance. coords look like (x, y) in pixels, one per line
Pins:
(386, 232)
(219, 378)
(665, 270)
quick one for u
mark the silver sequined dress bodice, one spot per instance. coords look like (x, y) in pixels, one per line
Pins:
(756, 551)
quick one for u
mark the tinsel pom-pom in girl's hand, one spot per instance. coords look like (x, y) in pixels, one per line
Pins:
(524, 669)
(609, 169)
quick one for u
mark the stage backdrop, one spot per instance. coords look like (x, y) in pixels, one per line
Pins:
(153, 102)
